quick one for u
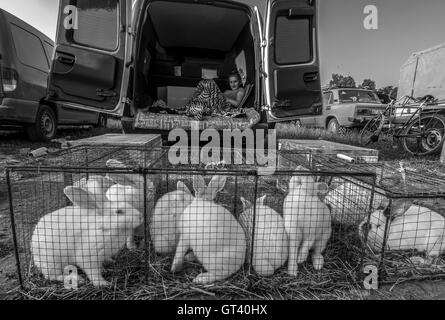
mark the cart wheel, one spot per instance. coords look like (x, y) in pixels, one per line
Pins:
(424, 135)
(372, 131)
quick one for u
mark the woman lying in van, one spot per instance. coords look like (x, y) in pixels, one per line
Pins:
(237, 92)
(208, 99)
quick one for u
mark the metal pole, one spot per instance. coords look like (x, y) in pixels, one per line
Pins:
(252, 245)
(14, 231)
(362, 266)
(387, 214)
(415, 77)
(146, 222)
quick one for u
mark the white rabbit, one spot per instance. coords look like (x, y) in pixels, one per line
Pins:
(271, 243)
(418, 229)
(129, 188)
(165, 223)
(212, 233)
(85, 236)
(95, 185)
(307, 221)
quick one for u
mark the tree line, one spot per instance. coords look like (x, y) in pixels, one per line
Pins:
(341, 81)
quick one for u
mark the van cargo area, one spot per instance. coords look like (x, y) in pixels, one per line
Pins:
(183, 43)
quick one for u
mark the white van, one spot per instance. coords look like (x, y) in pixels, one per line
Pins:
(119, 57)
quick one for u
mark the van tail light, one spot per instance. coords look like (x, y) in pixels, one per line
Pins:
(9, 80)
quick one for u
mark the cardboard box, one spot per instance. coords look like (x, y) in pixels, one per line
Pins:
(209, 73)
(176, 97)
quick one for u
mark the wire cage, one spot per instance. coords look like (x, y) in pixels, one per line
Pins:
(405, 232)
(137, 218)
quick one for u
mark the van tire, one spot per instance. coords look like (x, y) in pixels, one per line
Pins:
(45, 126)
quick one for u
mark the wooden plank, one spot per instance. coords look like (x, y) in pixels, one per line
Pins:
(328, 147)
(121, 140)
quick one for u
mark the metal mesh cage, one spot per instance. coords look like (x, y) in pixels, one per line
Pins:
(131, 218)
(405, 230)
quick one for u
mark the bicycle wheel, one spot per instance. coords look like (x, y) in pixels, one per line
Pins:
(424, 136)
(371, 132)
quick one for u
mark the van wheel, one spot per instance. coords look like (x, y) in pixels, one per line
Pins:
(45, 127)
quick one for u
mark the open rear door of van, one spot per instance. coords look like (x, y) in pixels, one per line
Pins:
(290, 56)
(90, 66)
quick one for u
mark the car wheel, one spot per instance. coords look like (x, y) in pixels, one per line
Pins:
(45, 127)
(102, 121)
(335, 128)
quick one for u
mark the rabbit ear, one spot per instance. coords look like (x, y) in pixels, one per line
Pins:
(308, 179)
(246, 203)
(215, 186)
(84, 199)
(295, 182)
(261, 200)
(199, 185)
(182, 187)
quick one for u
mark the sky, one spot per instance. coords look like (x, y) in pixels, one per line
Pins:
(346, 47)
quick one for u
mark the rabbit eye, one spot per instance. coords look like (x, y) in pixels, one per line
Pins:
(120, 212)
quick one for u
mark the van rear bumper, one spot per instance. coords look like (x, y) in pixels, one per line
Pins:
(18, 111)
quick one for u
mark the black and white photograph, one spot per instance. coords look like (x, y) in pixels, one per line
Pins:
(252, 151)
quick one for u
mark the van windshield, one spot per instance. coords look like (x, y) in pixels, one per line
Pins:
(348, 96)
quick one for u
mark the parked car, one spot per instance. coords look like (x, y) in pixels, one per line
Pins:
(25, 58)
(121, 59)
(345, 108)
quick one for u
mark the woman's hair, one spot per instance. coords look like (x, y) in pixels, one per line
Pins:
(236, 74)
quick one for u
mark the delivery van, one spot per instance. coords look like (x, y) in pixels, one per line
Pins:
(25, 59)
(122, 57)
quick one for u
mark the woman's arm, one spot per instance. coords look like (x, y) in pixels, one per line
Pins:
(239, 98)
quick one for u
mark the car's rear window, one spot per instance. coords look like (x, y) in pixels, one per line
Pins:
(348, 96)
(98, 24)
(29, 48)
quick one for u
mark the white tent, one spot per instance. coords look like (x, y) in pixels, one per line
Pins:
(423, 74)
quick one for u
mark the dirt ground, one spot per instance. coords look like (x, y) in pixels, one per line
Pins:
(12, 143)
